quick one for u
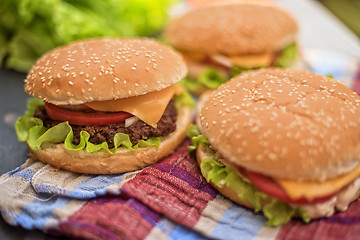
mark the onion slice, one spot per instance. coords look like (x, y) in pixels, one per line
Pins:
(222, 60)
(130, 121)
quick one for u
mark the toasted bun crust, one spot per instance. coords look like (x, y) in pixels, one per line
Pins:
(199, 105)
(121, 161)
(104, 69)
(285, 124)
(233, 29)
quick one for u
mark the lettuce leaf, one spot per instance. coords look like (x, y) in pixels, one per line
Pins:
(29, 28)
(236, 70)
(288, 55)
(277, 212)
(210, 78)
(191, 85)
(196, 137)
(184, 99)
(23, 124)
(31, 130)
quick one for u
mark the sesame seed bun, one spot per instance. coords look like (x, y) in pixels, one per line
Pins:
(285, 124)
(233, 29)
(104, 69)
(124, 160)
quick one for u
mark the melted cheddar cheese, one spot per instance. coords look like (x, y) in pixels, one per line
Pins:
(313, 189)
(245, 61)
(252, 61)
(148, 107)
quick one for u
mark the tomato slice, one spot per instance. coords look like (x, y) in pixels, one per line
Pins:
(270, 187)
(83, 118)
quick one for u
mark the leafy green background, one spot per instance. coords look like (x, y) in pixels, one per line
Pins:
(348, 11)
(29, 28)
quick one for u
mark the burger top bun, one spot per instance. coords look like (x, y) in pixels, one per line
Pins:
(104, 69)
(233, 29)
(285, 124)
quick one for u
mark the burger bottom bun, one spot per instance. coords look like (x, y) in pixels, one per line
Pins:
(124, 160)
(204, 152)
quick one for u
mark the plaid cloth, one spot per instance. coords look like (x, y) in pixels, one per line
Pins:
(169, 200)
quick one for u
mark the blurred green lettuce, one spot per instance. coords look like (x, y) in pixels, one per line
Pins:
(29, 28)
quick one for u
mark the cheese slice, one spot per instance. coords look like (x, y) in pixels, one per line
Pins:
(314, 189)
(194, 56)
(253, 60)
(148, 107)
(245, 61)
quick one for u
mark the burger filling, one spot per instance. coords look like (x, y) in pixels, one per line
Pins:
(209, 72)
(80, 127)
(137, 130)
(264, 193)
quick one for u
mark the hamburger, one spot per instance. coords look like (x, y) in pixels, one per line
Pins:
(105, 106)
(220, 41)
(285, 142)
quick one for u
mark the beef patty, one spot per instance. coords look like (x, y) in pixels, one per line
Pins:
(105, 133)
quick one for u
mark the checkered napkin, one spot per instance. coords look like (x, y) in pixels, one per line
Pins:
(169, 200)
